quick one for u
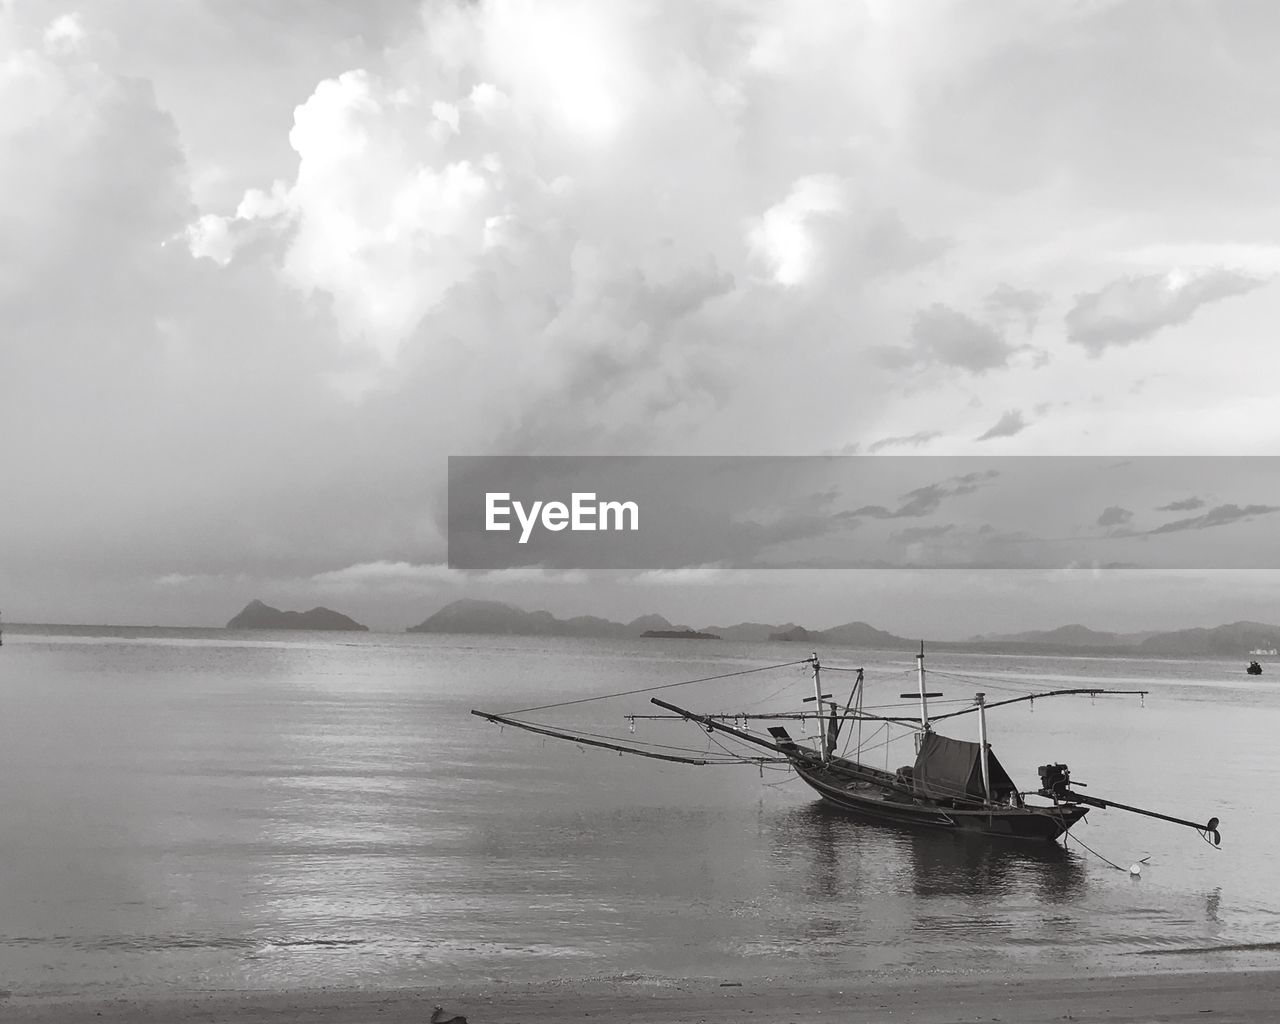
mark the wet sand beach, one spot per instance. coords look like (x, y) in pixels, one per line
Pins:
(1231, 997)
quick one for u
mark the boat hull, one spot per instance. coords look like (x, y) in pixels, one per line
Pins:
(858, 797)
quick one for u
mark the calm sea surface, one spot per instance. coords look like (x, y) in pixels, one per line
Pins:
(192, 809)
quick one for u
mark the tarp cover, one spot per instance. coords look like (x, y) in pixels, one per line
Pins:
(952, 769)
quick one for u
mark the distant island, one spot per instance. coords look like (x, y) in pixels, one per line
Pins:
(1237, 639)
(495, 617)
(1230, 640)
(257, 615)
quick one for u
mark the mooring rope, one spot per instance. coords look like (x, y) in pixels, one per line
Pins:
(1068, 835)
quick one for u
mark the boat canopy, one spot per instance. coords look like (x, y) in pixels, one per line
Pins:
(947, 769)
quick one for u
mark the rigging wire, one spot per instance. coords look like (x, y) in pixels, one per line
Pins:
(780, 689)
(1002, 682)
(654, 689)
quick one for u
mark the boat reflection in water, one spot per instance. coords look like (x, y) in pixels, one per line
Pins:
(897, 895)
(938, 863)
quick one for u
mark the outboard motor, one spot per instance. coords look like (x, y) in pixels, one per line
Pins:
(1055, 781)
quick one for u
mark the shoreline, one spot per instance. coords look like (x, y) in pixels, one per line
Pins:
(1169, 995)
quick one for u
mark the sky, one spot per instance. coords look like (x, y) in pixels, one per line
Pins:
(264, 267)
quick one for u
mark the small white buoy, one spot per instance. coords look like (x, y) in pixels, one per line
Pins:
(1135, 870)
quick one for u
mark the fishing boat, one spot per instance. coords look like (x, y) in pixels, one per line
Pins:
(1254, 669)
(953, 784)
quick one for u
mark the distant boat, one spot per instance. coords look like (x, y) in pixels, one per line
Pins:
(1254, 669)
(1272, 651)
(954, 784)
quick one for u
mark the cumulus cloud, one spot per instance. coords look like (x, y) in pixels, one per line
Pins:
(1008, 425)
(383, 229)
(65, 35)
(1135, 308)
(944, 336)
(1019, 305)
(781, 236)
(521, 215)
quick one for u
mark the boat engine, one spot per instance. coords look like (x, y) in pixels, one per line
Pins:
(1055, 781)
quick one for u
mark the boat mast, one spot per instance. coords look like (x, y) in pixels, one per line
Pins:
(817, 700)
(982, 742)
(924, 697)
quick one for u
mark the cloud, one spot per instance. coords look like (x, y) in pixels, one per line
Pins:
(409, 576)
(781, 237)
(65, 35)
(1114, 515)
(384, 573)
(1016, 304)
(943, 336)
(1184, 505)
(179, 580)
(253, 295)
(913, 440)
(915, 534)
(1221, 515)
(1135, 308)
(691, 575)
(386, 231)
(1008, 425)
(530, 222)
(926, 500)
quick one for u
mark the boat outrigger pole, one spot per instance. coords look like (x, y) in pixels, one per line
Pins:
(1055, 783)
(586, 741)
(713, 726)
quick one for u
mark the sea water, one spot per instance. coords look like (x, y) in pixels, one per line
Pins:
(205, 809)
